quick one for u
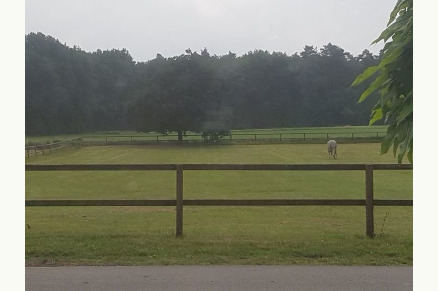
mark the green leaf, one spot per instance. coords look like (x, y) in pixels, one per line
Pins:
(373, 86)
(411, 142)
(403, 148)
(400, 5)
(376, 115)
(387, 33)
(365, 75)
(402, 140)
(405, 112)
(395, 145)
(390, 56)
(388, 139)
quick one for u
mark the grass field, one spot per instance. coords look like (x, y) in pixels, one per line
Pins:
(217, 235)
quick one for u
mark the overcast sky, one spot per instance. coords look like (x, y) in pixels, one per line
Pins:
(169, 27)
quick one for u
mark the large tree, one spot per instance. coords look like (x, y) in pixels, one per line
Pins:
(393, 80)
(177, 95)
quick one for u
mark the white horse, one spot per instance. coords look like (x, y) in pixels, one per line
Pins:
(331, 148)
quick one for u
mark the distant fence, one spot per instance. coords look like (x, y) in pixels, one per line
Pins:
(293, 136)
(42, 149)
(369, 202)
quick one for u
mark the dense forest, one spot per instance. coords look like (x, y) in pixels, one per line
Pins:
(69, 90)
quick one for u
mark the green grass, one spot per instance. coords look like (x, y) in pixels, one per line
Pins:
(216, 235)
(257, 154)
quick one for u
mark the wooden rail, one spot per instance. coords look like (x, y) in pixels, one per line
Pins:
(48, 148)
(242, 136)
(369, 202)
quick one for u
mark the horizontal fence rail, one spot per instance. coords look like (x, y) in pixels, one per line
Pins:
(345, 135)
(258, 167)
(369, 202)
(219, 202)
(34, 150)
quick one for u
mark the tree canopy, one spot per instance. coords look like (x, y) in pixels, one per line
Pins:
(69, 90)
(177, 94)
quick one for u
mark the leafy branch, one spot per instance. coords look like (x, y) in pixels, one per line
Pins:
(393, 80)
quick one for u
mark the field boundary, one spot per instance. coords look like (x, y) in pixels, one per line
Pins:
(252, 138)
(42, 149)
(237, 138)
(369, 202)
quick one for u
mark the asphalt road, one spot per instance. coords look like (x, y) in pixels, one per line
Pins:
(220, 278)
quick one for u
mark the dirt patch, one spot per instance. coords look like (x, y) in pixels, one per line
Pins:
(45, 262)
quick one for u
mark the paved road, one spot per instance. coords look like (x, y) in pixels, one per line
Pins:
(220, 278)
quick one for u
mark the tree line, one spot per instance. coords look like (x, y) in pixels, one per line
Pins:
(69, 90)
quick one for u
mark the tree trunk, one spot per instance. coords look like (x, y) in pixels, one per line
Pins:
(180, 136)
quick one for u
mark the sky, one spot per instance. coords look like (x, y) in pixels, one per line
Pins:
(148, 27)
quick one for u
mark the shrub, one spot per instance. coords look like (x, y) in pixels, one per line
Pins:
(214, 135)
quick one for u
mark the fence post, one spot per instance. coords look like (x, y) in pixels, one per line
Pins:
(369, 204)
(179, 200)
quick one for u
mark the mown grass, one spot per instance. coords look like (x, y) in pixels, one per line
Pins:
(216, 235)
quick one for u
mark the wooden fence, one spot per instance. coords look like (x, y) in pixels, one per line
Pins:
(369, 202)
(48, 148)
(292, 136)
